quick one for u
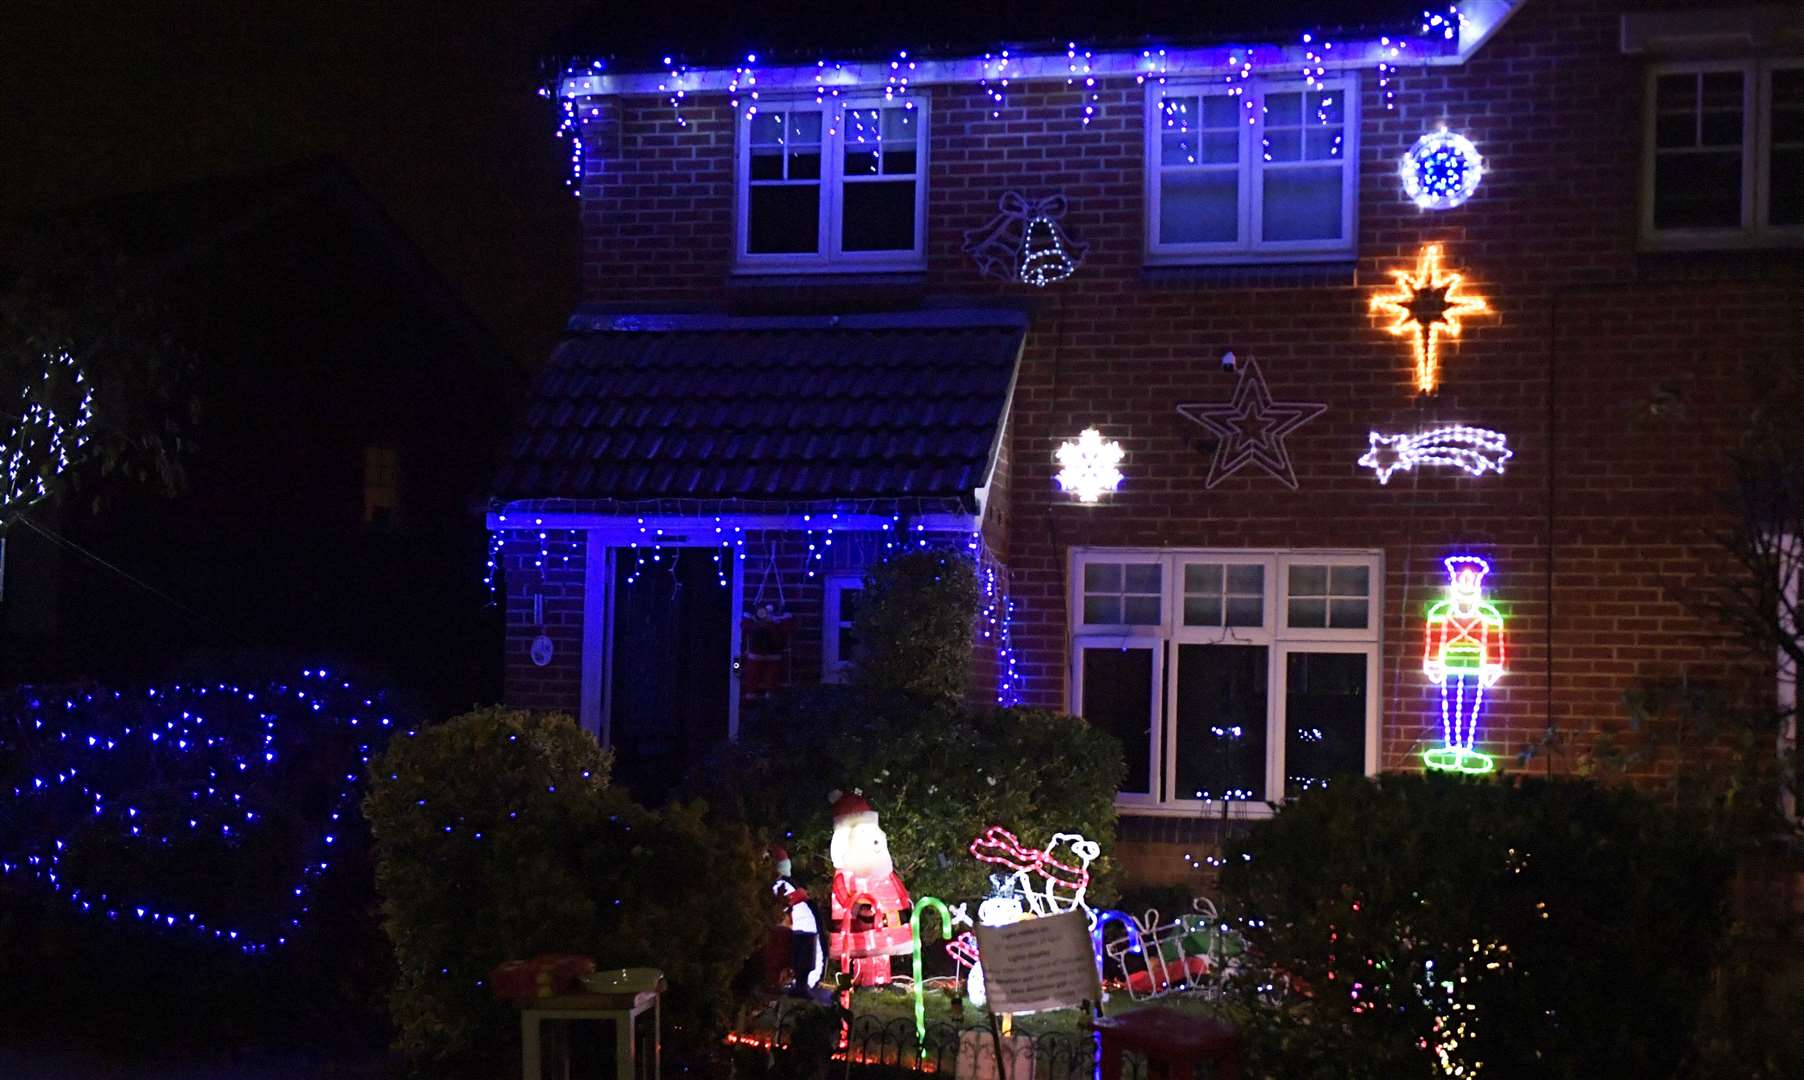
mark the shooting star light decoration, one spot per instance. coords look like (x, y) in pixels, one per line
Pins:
(1476, 450)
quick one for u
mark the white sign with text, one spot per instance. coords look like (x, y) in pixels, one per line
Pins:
(1038, 964)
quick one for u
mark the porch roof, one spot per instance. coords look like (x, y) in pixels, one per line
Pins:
(635, 408)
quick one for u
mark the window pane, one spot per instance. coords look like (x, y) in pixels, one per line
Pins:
(1722, 128)
(1246, 611)
(879, 217)
(899, 128)
(1350, 580)
(1140, 610)
(1202, 611)
(1302, 204)
(784, 219)
(1221, 111)
(1102, 610)
(1246, 580)
(1199, 207)
(1221, 711)
(1675, 129)
(1697, 191)
(1102, 577)
(898, 160)
(1202, 579)
(1324, 718)
(1118, 699)
(1142, 577)
(1308, 580)
(767, 164)
(1676, 93)
(1283, 110)
(1787, 207)
(1178, 114)
(863, 160)
(1347, 614)
(1308, 614)
(1322, 143)
(767, 129)
(1284, 145)
(1328, 107)
(1722, 90)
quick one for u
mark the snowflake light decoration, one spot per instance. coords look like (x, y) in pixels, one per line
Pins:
(1476, 450)
(1426, 305)
(1442, 170)
(1088, 467)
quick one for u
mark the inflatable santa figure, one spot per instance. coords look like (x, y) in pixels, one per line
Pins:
(865, 885)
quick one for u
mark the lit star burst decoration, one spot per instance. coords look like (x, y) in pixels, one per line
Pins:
(1250, 428)
(1476, 450)
(1426, 305)
(1089, 467)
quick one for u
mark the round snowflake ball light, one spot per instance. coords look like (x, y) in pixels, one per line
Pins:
(1442, 170)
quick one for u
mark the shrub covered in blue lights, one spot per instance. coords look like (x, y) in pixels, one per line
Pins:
(211, 811)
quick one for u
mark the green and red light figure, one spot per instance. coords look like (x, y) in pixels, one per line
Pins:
(1464, 657)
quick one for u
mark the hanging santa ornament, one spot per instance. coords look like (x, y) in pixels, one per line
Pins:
(871, 916)
(1026, 241)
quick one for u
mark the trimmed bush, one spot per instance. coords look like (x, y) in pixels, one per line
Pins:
(1545, 928)
(498, 837)
(915, 623)
(938, 774)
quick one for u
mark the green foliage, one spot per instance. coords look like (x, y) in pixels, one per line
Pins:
(937, 772)
(915, 622)
(1552, 928)
(498, 837)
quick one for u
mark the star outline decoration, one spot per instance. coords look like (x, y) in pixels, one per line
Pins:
(1250, 428)
(1426, 305)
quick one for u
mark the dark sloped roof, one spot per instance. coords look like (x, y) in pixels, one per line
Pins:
(766, 409)
(804, 30)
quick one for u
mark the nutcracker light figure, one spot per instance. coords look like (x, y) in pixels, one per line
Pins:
(1464, 657)
(870, 904)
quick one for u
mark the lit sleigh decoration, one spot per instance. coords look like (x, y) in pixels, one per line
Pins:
(1026, 241)
(1043, 882)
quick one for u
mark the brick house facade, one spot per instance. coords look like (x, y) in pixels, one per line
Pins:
(1619, 357)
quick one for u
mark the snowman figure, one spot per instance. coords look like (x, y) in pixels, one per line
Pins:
(870, 904)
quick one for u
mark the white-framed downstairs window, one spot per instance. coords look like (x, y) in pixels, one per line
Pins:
(839, 185)
(1238, 676)
(1723, 154)
(1259, 170)
(839, 639)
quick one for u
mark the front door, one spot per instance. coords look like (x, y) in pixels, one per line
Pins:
(672, 660)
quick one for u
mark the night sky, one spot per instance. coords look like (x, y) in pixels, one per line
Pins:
(433, 104)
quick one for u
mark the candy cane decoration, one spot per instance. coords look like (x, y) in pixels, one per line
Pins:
(914, 924)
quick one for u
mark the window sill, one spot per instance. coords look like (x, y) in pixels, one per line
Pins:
(1728, 240)
(1247, 810)
(1313, 272)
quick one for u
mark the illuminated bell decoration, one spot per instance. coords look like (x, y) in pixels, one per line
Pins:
(1044, 259)
(1426, 305)
(1442, 170)
(1088, 468)
(1464, 658)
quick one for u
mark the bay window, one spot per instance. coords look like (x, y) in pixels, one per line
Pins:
(1240, 676)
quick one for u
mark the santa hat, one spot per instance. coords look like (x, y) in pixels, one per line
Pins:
(778, 853)
(850, 808)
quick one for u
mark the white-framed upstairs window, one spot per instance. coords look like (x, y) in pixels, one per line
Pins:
(839, 638)
(1237, 676)
(1263, 170)
(1723, 154)
(839, 185)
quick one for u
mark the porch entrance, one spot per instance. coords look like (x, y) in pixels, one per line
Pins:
(670, 684)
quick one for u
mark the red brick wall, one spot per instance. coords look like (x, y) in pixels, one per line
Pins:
(1600, 528)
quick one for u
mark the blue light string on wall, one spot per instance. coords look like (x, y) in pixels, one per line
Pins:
(229, 748)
